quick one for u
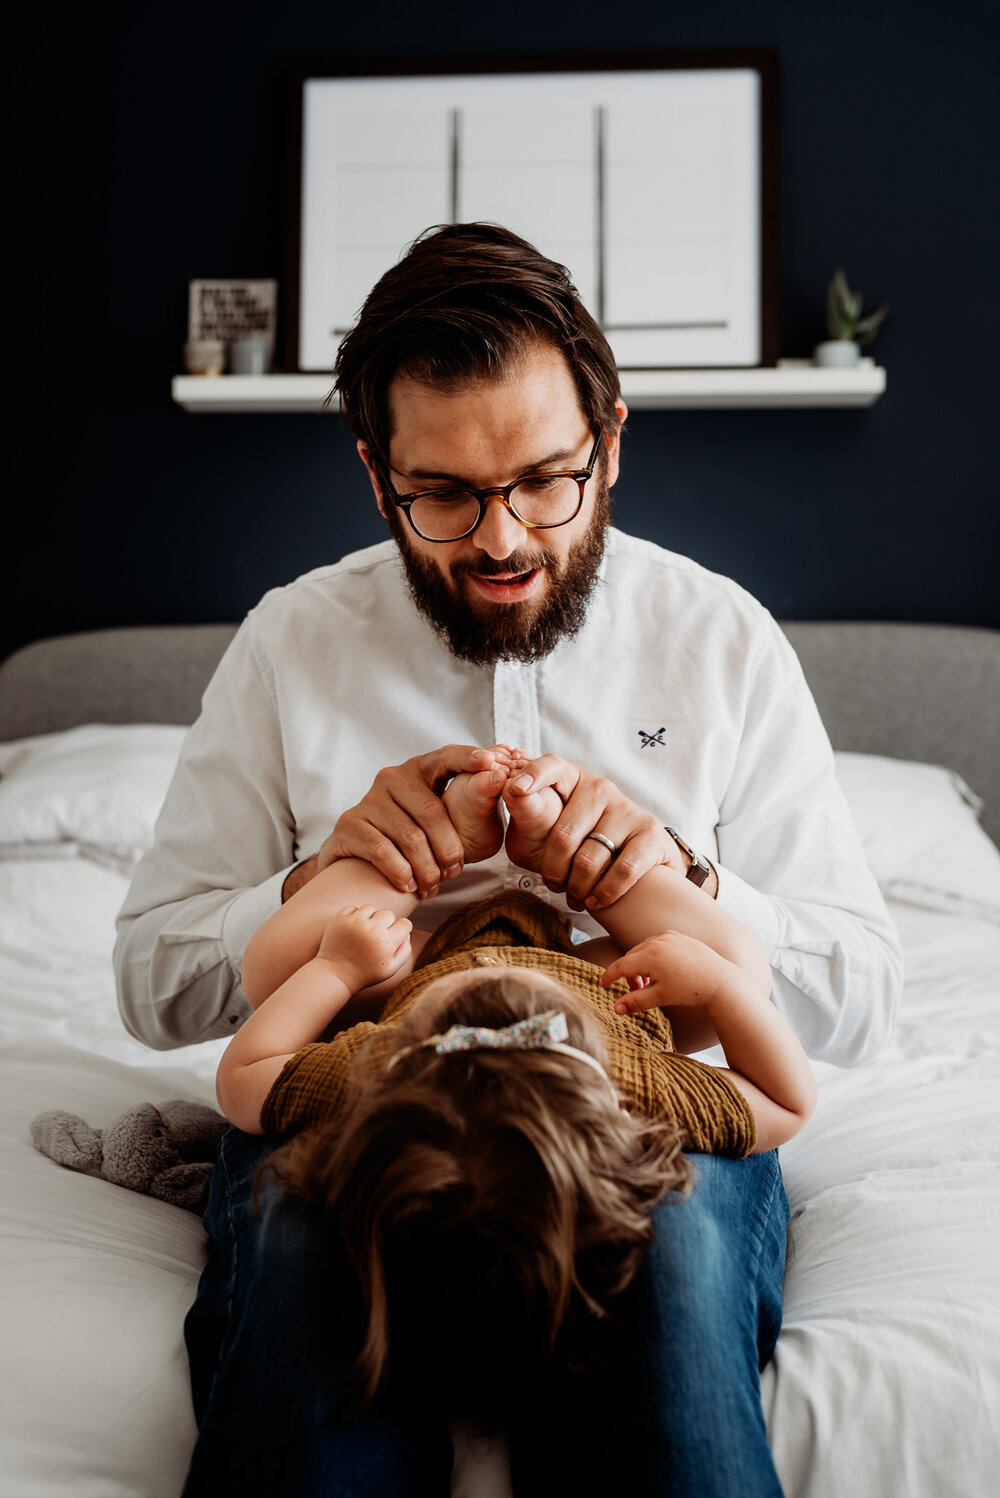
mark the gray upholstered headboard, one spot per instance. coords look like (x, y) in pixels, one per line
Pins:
(928, 692)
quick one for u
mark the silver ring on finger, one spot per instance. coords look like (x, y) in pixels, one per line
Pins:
(598, 837)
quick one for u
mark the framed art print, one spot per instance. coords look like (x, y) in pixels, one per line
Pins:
(652, 178)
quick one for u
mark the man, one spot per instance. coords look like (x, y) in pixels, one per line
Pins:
(488, 415)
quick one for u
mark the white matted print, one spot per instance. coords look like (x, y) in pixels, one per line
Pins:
(646, 184)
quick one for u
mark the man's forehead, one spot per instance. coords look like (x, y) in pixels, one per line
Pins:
(535, 405)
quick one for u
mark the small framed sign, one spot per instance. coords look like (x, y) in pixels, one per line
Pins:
(652, 177)
(232, 310)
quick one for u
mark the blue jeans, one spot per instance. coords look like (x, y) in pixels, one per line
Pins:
(676, 1414)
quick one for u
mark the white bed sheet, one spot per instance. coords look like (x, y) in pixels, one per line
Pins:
(886, 1379)
(94, 1280)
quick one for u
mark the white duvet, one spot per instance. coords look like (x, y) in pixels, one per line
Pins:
(886, 1379)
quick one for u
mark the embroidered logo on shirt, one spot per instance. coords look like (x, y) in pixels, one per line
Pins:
(649, 739)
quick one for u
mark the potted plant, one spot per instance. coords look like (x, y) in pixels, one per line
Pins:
(848, 330)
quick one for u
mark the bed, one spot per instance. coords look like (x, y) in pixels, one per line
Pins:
(886, 1379)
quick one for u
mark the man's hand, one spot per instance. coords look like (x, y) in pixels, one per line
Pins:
(401, 827)
(572, 860)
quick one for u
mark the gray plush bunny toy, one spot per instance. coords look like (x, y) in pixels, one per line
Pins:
(166, 1152)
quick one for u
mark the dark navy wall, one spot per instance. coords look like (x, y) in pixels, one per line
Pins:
(149, 145)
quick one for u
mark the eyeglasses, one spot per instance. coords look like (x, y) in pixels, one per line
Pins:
(539, 501)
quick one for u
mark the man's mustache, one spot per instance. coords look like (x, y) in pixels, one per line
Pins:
(517, 563)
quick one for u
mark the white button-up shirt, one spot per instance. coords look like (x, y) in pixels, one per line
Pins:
(680, 688)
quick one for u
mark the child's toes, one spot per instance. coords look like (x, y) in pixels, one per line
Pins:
(483, 790)
(472, 802)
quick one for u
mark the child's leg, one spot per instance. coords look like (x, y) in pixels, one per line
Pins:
(473, 803)
(532, 818)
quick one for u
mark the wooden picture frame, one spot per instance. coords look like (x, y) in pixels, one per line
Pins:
(653, 176)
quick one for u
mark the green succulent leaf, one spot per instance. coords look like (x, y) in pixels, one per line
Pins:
(838, 306)
(869, 326)
(843, 312)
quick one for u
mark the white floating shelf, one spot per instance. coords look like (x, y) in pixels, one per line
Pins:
(795, 382)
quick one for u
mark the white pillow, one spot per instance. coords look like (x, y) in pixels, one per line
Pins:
(919, 828)
(96, 790)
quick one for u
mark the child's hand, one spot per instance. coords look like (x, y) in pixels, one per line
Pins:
(365, 945)
(666, 971)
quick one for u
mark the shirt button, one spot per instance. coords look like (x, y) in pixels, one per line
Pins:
(526, 882)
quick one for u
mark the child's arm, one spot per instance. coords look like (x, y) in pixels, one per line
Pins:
(766, 1061)
(358, 947)
(292, 935)
(663, 900)
(294, 973)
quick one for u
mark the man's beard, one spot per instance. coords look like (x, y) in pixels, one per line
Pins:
(493, 632)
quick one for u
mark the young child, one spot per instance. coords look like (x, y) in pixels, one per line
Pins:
(487, 1153)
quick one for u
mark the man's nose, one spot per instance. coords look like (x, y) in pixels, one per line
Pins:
(499, 533)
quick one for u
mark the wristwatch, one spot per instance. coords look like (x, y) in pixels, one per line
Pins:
(700, 867)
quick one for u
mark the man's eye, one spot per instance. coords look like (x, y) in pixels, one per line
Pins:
(540, 483)
(446, 496)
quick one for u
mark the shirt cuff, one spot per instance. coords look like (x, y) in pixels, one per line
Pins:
(752, 909)
(247, 912)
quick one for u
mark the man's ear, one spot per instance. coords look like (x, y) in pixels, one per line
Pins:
(364, 453)
(613, 442)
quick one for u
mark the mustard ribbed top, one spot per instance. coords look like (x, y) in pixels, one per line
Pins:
(518, 930)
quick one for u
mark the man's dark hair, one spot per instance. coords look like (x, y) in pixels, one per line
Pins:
(460, 306)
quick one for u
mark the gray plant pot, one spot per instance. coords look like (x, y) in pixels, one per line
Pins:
(839, 353)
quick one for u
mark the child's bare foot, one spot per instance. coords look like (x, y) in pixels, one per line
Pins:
(473, 803)
(532, 818)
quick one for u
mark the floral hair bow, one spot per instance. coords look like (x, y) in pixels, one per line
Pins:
(539, 1032)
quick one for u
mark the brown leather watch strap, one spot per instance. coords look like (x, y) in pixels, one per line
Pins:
(700, 868)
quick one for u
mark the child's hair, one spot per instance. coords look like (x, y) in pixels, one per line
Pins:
(489, 1203)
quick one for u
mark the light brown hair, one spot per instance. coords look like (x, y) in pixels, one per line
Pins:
(489, 1203)
(461, 306)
